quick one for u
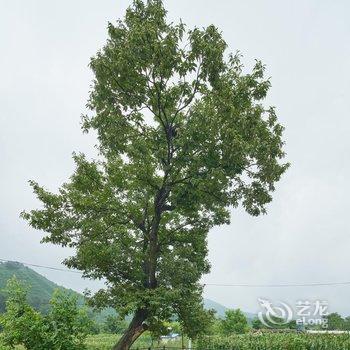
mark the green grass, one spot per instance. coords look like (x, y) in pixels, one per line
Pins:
(101, 341)
(106, 341)
(268, 341)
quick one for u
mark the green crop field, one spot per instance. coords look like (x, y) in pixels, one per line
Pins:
(277, 341)
(267, 341)
(106, 341)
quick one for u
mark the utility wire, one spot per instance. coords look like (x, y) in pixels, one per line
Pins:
(42, 266)
(316, 284)
(278, 285)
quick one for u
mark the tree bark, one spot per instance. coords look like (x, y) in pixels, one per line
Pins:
(135, 329)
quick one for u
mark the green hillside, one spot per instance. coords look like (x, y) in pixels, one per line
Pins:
(41, 290)
(220, 309)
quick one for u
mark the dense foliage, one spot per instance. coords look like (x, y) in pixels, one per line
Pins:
(114, 325)
(183, 136)
(234, 322)
(337, 322)
(64, 327)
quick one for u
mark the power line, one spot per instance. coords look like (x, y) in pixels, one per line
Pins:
(277, 285)
(316, 284)
(42, 266)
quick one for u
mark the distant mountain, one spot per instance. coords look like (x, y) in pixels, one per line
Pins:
(41, 290)
(221, 309)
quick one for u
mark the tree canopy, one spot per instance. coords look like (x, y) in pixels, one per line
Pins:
(183, 136)
(234, 322)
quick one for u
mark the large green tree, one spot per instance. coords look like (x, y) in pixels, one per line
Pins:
(183, 136)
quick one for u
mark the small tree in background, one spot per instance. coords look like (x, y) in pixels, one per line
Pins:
(64, 328)
(235, 322)
(183, 137)
(67, 324)
(21, 324)
(257, 324)
(114, 324)
(335, 321)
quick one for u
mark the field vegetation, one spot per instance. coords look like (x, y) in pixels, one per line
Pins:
(276, 341)
(249, 341)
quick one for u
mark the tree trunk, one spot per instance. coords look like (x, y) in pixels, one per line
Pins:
(135, 329)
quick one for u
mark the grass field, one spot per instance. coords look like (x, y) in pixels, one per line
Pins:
(106, 341)
(271, 341)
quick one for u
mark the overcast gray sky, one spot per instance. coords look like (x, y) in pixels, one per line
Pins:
(45, 48)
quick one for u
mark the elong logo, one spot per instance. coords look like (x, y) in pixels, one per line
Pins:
(280, 313)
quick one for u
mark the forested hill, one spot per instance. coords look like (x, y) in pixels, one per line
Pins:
(221, 309)
(41, 289)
